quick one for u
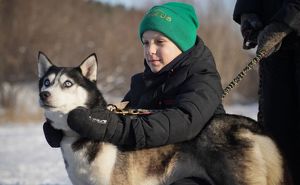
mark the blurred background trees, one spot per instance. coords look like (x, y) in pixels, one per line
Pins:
(70, 30)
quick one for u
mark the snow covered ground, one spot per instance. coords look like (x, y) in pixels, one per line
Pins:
(26, 158)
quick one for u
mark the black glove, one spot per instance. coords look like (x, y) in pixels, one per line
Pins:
(52, 135)
(96, 124)
(269, 39)
(250, 27)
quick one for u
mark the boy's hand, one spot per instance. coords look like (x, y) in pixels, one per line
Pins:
(52, 135)
(96, 124)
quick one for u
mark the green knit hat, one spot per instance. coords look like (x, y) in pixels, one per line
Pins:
(176, 20)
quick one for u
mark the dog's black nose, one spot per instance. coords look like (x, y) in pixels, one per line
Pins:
(44, 95)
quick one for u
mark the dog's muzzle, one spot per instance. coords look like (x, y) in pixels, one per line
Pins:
(45, 95)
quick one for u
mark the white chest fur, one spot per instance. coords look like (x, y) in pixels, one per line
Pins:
(83, 172)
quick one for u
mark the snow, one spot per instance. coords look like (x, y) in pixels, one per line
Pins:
(249, 110)
(26, 158)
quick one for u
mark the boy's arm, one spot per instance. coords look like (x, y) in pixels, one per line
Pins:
(196, 103)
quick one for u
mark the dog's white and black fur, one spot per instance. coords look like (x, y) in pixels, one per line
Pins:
(231, 150)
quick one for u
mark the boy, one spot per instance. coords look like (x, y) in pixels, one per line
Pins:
(180, 79)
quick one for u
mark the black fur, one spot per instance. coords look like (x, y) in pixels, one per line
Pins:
(95, 97)
(93, 147)
(52, 70)
(221, 151)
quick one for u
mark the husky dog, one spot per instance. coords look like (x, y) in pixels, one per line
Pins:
(231, 150)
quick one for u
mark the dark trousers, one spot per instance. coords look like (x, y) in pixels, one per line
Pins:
(191, 181)
(280, 100)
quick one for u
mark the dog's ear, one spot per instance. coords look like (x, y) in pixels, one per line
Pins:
(89, 67)
(43, 64)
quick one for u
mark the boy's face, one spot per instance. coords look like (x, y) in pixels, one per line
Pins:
(158, 50)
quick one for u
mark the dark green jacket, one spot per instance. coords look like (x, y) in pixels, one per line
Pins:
(187, 91)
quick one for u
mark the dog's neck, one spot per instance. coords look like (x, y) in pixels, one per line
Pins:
(70, 133)
(59, 121)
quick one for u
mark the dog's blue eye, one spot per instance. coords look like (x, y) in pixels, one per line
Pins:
(47, 83)
(68, 83)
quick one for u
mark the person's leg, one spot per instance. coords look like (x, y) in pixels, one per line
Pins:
(279, 98)
(191, 181)
(295, 164)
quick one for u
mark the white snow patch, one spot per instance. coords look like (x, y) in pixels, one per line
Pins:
(27, 159)
(249, 110)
